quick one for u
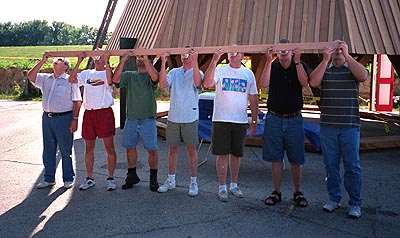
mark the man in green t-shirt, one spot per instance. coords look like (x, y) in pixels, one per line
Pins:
(141, 88)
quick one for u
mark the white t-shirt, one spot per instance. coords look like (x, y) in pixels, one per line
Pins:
(97, 94)
(232, 89)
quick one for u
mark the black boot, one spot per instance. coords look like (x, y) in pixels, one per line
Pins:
(153, 180)
(131, 179)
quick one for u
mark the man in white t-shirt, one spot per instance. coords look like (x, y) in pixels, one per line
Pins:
(234, 86)
(98, 118)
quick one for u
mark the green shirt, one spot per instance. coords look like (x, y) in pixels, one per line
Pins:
(140, 95)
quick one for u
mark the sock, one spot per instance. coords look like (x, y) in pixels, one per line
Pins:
(153, 175)
(222, 187)
(233, 185)
(132, 170)
(171, 177)
(193, 179)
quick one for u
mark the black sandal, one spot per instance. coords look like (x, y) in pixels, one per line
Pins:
(274, 198)
(299, 199)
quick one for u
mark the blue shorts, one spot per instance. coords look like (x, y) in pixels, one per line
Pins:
(284, 134)
(146, 129)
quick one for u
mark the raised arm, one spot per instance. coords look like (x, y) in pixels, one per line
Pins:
(301, 72)
(109, 73)
(116, 78)
(150, 69)
(35, 70)
(163, 72)
(358, 70)
(196, 71)
(266, 74)
(210, 72)
(74, 72)
(319, 71)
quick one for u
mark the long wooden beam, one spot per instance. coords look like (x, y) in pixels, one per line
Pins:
(200, 50)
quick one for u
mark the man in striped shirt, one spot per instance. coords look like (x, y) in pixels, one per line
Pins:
(340, 124)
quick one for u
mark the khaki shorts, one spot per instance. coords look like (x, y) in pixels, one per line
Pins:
(183, 132)
(228, 138)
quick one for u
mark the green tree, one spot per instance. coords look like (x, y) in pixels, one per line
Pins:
(39, 32)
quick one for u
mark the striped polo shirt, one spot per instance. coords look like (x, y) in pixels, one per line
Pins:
(339, 103)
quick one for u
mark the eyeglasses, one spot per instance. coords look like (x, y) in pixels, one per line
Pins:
(185, 56)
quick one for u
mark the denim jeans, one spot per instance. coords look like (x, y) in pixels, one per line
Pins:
(342, 143)
(56, 132)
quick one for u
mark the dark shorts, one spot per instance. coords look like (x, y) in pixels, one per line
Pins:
(228, 138)
(98, 123)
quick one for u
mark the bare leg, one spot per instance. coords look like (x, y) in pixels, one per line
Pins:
(222, 168)
(153, 159)
(111, 155)
(131, 157)
(193, 160)
(234, 165)
(89, 157)
(296, 176)
(172, 159)
(277, 168)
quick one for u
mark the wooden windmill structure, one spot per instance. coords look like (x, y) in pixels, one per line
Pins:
(368, 26)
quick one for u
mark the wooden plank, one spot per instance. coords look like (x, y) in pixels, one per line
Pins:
(161, 129)
(379, 142)
(201, 50)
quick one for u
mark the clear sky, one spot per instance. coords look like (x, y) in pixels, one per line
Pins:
(73, 12)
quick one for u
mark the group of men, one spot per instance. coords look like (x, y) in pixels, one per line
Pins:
(338, 76)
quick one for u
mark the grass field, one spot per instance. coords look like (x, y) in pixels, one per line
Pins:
(26, 57)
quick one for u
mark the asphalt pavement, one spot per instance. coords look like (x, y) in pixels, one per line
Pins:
(55, 212)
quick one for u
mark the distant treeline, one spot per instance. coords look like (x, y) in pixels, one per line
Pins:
(39, 32)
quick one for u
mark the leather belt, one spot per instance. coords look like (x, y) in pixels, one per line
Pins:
(56, 114)
(281, 115)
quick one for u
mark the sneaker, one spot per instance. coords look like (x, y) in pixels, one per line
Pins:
(168, 185)
(44, 184)
(68, 184)
(87, 184)
(236, 192)
(223, 195)
(354, 212)
(111, 184)
(331, 206)
(193, 189)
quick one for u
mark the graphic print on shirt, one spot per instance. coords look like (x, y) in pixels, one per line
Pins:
(234, 85)
(95, 81)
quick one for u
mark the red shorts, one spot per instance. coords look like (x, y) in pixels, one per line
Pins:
(98, 123)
